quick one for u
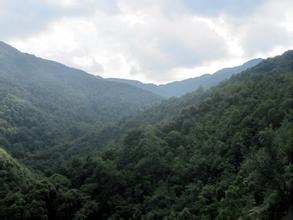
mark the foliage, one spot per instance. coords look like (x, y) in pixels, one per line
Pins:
(227, 155)
(44, 103)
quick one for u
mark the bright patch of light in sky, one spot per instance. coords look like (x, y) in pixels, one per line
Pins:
(152, 41)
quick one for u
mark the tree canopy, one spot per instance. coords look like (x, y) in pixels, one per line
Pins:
(225, 154)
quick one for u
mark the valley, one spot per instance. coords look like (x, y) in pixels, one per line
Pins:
(77, 146)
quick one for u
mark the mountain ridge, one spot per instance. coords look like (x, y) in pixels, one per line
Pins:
(175, 88)
(179, 88)
(36, 92)
(220, 153)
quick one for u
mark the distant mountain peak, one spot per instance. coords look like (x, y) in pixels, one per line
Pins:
(288, 53)
(6, 46)
(179, 88)
(8, 50)
(60, 97)
(255, 60)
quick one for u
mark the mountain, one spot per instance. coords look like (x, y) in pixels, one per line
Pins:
(180, 88)
(97, 140)
(44, 103)
(226, 155)
(12, 174)
(27, 195)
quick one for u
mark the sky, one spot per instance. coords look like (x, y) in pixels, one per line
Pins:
(156, 41)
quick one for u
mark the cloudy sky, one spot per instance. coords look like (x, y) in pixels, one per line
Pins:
(149, 40)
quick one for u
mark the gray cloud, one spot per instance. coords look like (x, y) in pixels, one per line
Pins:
(266, 30)
(153, 40)
(230, 7)
(21, 18)
(262, 38)
(193, 44)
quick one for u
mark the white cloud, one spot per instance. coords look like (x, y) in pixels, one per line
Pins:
(159, 40)
(63, 3)
(265, 31)
(128, 44)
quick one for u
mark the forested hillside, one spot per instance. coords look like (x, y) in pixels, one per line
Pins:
(97, 140)
(44, 103)
(227, 155)
(100, 139)
(180, 88)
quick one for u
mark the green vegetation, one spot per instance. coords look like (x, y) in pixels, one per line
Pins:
(224, 153)
(43, 103)
(27, 196)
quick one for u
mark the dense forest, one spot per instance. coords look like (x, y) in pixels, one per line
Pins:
(221, 153)
(44, 103)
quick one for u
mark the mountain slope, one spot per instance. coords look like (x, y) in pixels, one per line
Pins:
(100, 139)
(61, 102)
(13, 176)
(180, 88)
(227, 157)
(25, 195)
